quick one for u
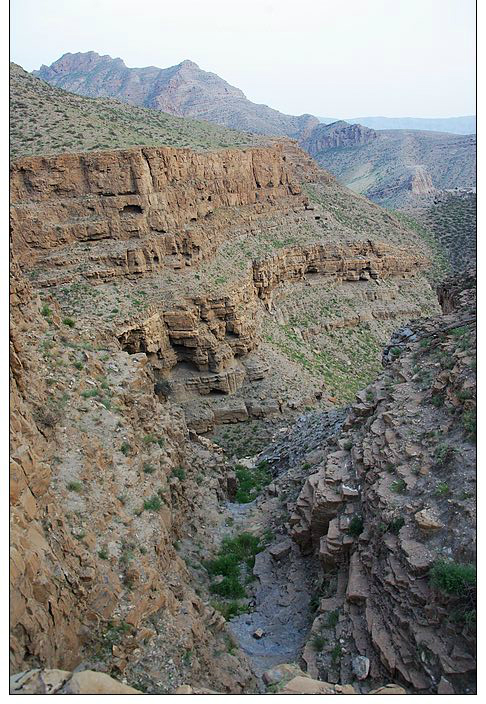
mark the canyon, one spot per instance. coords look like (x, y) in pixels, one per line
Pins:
(197, 372)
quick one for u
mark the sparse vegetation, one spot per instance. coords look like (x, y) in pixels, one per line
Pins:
(453, 577)
(251, 481)
(152, 504)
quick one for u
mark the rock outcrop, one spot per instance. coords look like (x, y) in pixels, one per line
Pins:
(392, 506)
(337, 134)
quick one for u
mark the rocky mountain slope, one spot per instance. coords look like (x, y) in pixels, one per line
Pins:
(48, 120)
(184, 90)
(391, 513)
(465, 124)
(394, 168)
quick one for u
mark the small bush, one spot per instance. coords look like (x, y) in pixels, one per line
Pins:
(355, 527)
(399, 486)
(148, 468)
(452, 577)
(251, 482)
(229, 587)
(46, 311)
(318, 642)
(179, 473)
(75, 486)
(103, 553)
(125, 448)
(396, 524)
(229, 609)
(89, 393)
(469, 423)
(336, 654)
(444, 454)
(332, 618)
(226, 565)
(69, 322)
(442, 489)
(152, 504)
(78, 365)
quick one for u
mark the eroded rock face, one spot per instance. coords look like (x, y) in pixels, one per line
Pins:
(395, 498)
(96, 510)
(145, 198)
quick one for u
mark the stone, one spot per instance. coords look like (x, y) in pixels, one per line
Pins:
(281, 673)
(64, 682)
(306, 685)
(361, 666)
(280, 550)
(389, 689)
(259, 633)
(427, 521)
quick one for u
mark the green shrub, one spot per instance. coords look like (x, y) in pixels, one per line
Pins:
(318, 642)
(69, 322)
(229, 587)
(442, 489)
(336, 653)
(152, 504)
(452, 577)
(75, 486)
(399, 486)
(226, 565)
(89, 393)
(103, 553)
(229, 609)
(179, 473)
(78, 365)
(332, 618)
(444, 454)
(469, 423)
(125, 448)
(148, 468)
(395, 525)
(355, 527)
(46, 311)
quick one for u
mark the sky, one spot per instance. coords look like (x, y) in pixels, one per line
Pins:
(393, 58)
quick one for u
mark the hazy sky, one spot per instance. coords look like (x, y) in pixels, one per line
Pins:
(348, 58)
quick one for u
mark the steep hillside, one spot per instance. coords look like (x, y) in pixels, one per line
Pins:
(183, 90)
(452, 219)
(47, 120)
(394, 167)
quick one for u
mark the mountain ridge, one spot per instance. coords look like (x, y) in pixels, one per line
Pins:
(184, 90)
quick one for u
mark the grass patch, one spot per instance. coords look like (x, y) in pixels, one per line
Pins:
(251, 481)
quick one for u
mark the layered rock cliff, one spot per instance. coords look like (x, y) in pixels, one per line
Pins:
(390, 513)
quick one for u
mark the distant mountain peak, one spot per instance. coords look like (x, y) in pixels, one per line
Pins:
(187, 63)
(185, 90)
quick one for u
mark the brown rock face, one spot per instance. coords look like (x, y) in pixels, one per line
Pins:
(151, 195)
